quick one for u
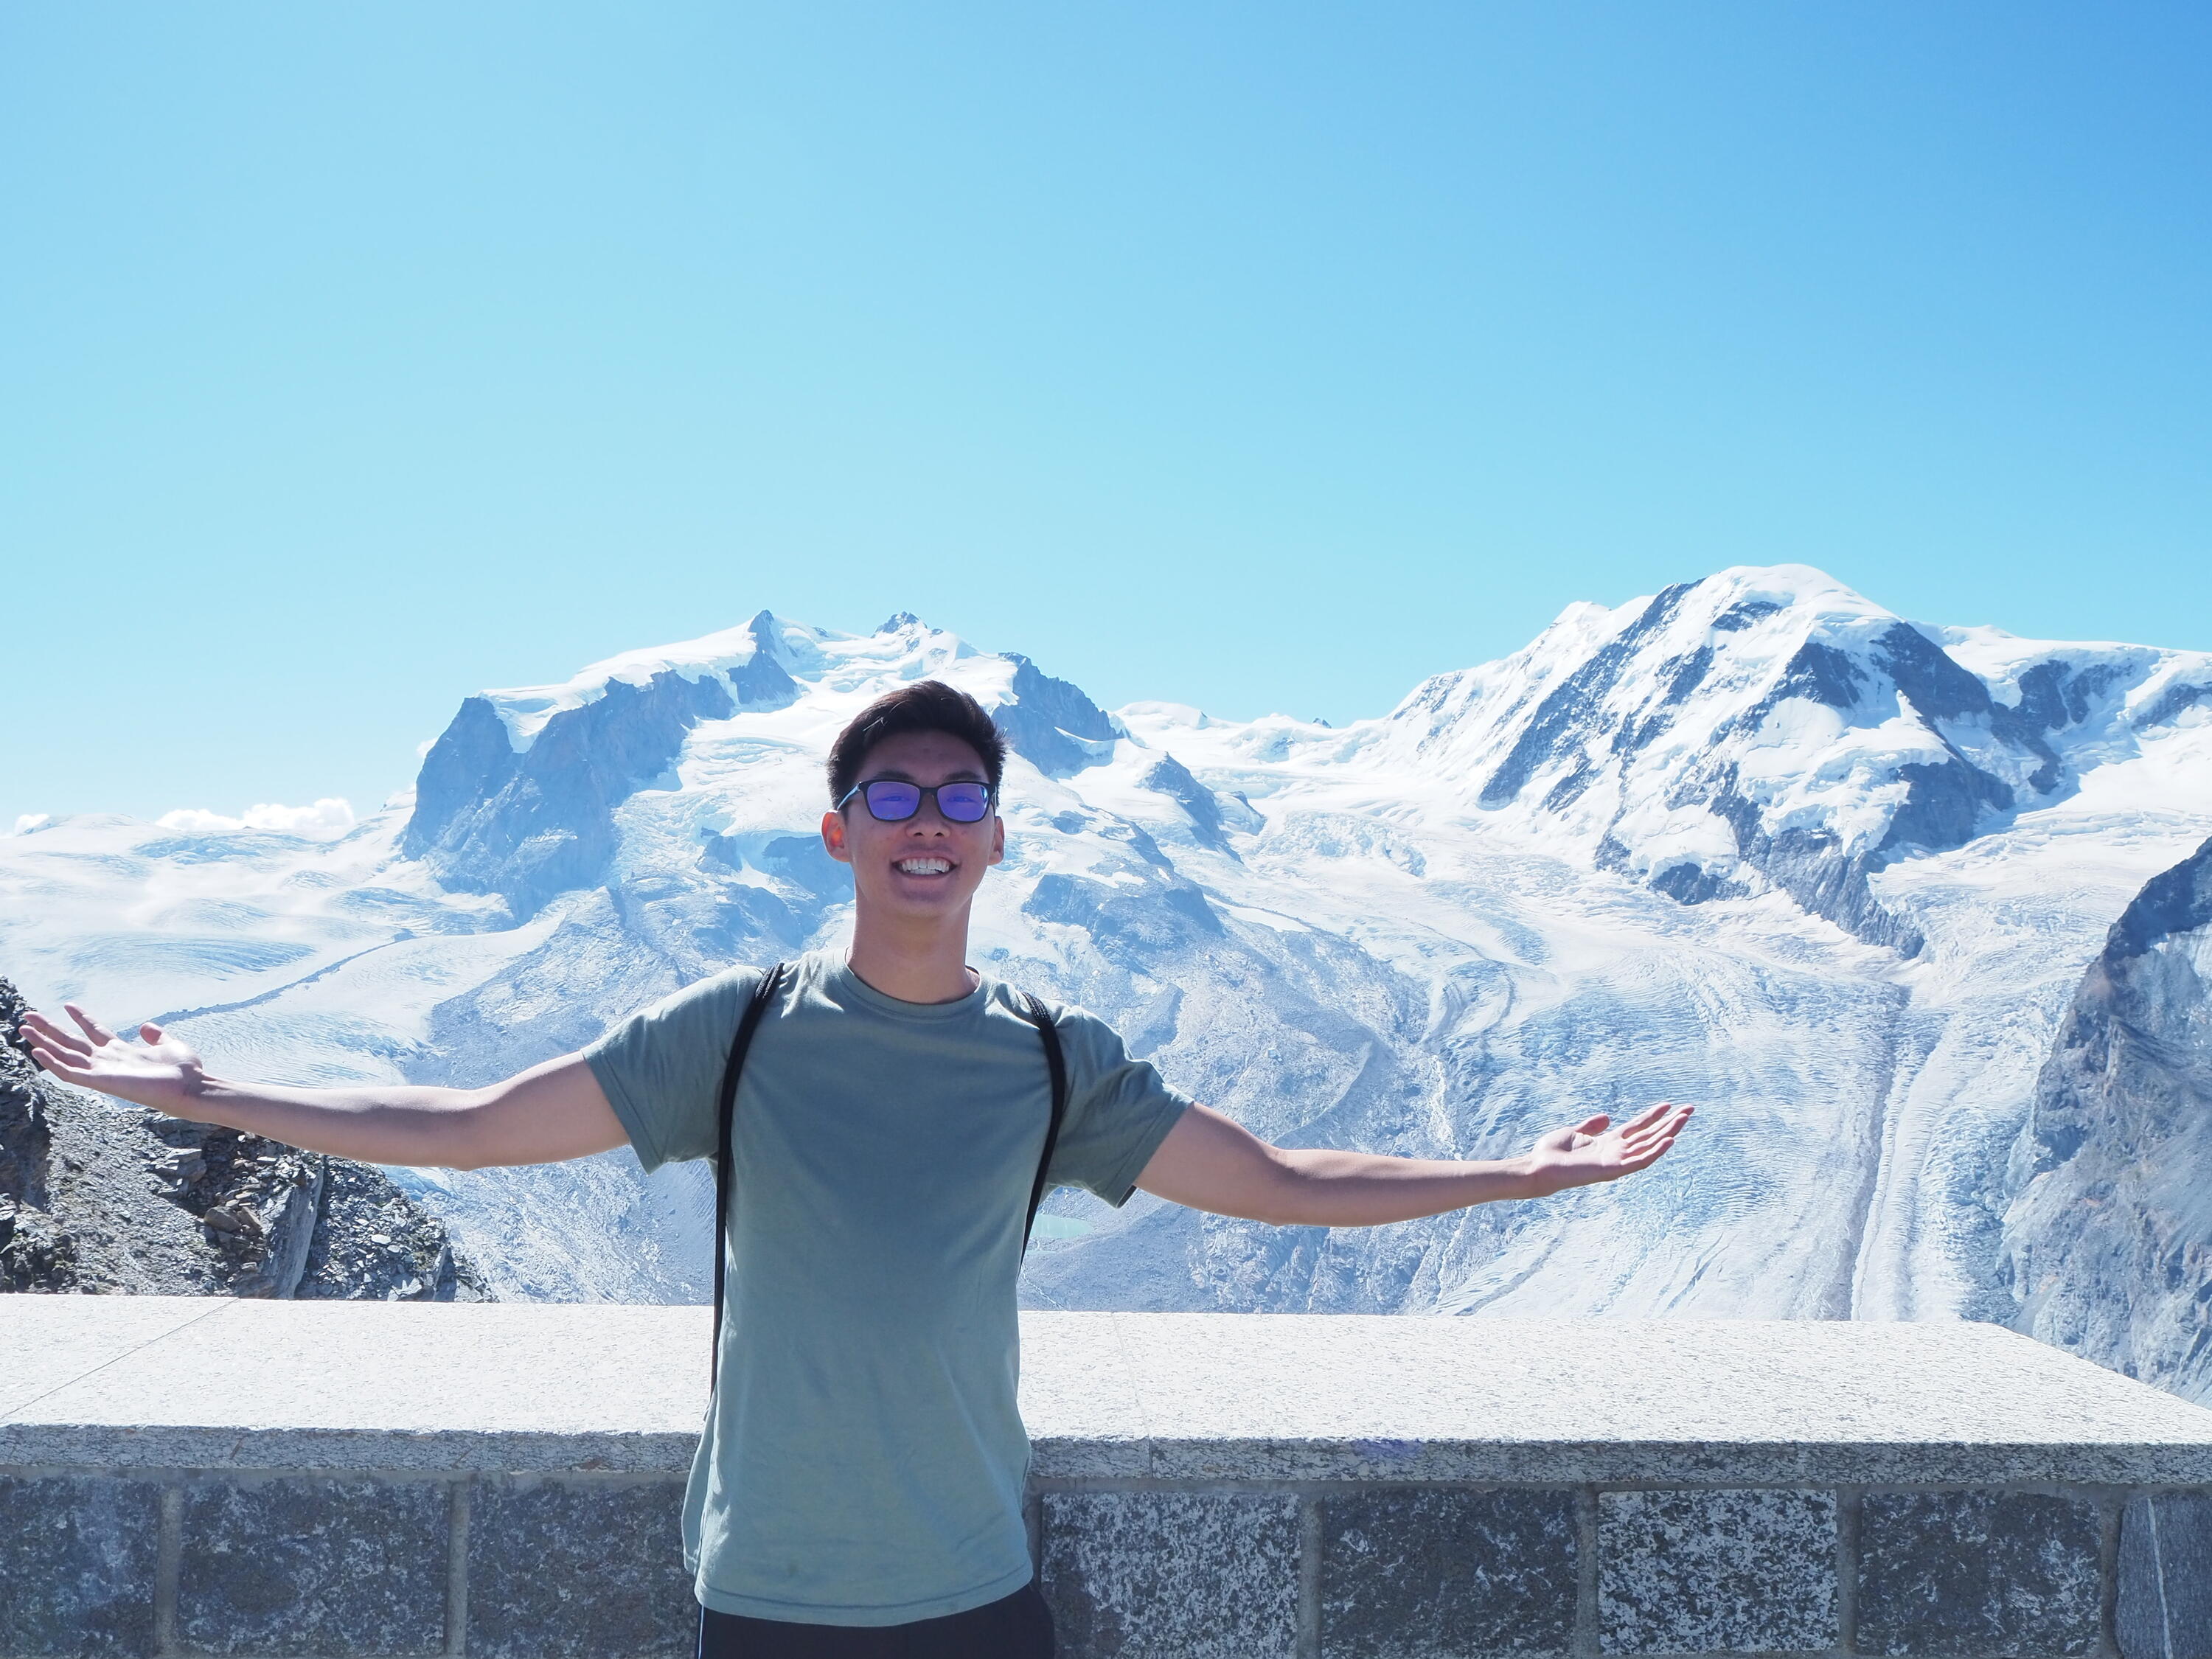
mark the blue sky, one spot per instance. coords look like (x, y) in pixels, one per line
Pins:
(355, 357)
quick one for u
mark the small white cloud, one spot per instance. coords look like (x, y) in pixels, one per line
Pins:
(30, 820)
(197, 820)
(327, 817)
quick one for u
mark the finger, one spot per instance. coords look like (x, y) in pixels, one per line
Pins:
(92, 1028)
(1591, 1126)
(61, 1066)
(39, 1029)
(1650, 1114)
(1644, 1128)
(151, 1032)
(1658, 1132)
(1650, 1155)
(35, 1019)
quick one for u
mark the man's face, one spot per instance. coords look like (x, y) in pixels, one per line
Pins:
(927, 865)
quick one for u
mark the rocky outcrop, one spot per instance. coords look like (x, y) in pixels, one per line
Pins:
(2108, 1237)
(530, 824)
(1768, 729)
(97, 1196)
(530, 813)
(1051, 722)
(1171, 777)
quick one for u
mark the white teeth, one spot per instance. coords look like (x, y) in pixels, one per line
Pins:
(925, 866)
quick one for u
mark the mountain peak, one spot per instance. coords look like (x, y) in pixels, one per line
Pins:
(1764, 727)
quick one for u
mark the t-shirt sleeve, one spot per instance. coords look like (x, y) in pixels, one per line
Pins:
(661, 1069)
(1119, 1110)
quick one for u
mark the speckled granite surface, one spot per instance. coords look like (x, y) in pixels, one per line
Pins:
(1730, 1571)
(185, 1381)
(294, 1479)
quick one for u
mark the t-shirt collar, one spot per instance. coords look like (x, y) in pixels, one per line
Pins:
(848, 987)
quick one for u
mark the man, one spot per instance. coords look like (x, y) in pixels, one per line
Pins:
(858, 1488)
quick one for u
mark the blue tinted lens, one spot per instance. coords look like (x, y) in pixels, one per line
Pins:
(890, 801)
(963, 802)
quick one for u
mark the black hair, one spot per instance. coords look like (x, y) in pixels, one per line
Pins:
(924, 706)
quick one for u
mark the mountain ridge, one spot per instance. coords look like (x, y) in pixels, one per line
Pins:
(1707, 869)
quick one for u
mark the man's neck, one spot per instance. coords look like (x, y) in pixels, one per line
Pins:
(915, 964)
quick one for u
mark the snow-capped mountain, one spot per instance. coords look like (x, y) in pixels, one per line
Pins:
(1753, 841)
(1768, 729)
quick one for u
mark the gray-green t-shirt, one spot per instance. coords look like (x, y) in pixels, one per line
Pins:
(864, 1458)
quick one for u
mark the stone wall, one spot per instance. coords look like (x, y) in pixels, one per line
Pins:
(181, 1476)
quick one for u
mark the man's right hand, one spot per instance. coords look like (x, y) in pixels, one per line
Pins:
(554, 1110)
(163, 1072)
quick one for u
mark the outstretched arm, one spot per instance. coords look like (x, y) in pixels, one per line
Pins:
(552, 1111)
(1210, 1162)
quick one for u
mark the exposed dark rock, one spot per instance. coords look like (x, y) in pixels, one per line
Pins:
(1171, 778)
(1924, 672)
(2056, 695)
(1944, 802)
(1047, 716)
(1128, 926)
(801, 859)
(2108, 1239)
(1811, 865)
(1682, 675)
(1742, 614)
(1819, 673)
(2173, 902)
(2174, 701)
(764, 682)
(1692, 884)
(1575, 702)
(528, 825)
(96, 1196)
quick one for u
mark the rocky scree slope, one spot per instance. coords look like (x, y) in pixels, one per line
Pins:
(99, 1197)
(2109, 1234)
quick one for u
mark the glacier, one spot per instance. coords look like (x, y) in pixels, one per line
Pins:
(1753, 841)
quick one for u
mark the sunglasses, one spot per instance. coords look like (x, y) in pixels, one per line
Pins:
(891, 800)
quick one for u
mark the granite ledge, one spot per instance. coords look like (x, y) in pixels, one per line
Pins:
(1176, 1397)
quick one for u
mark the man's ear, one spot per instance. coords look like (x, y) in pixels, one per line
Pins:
(998, 838)
(833, 837)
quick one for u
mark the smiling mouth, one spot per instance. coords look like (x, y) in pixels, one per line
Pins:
(923, 867)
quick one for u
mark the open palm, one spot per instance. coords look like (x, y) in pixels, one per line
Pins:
(161, 1072)
(1590, 1151)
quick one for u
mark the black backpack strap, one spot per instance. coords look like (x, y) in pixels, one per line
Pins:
(1056, 1061)
(725, 1106)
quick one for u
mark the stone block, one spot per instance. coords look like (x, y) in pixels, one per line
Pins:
(1146, 1575)
(2165, 1577)
(77, 1556)
(1989, 1574)
(1411, 1572)
(313, 1566)
(50, 1340)
(564, 1567)
(1674, 1403)
(1751, 1571)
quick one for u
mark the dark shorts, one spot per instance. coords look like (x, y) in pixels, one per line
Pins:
(1017, 1627)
